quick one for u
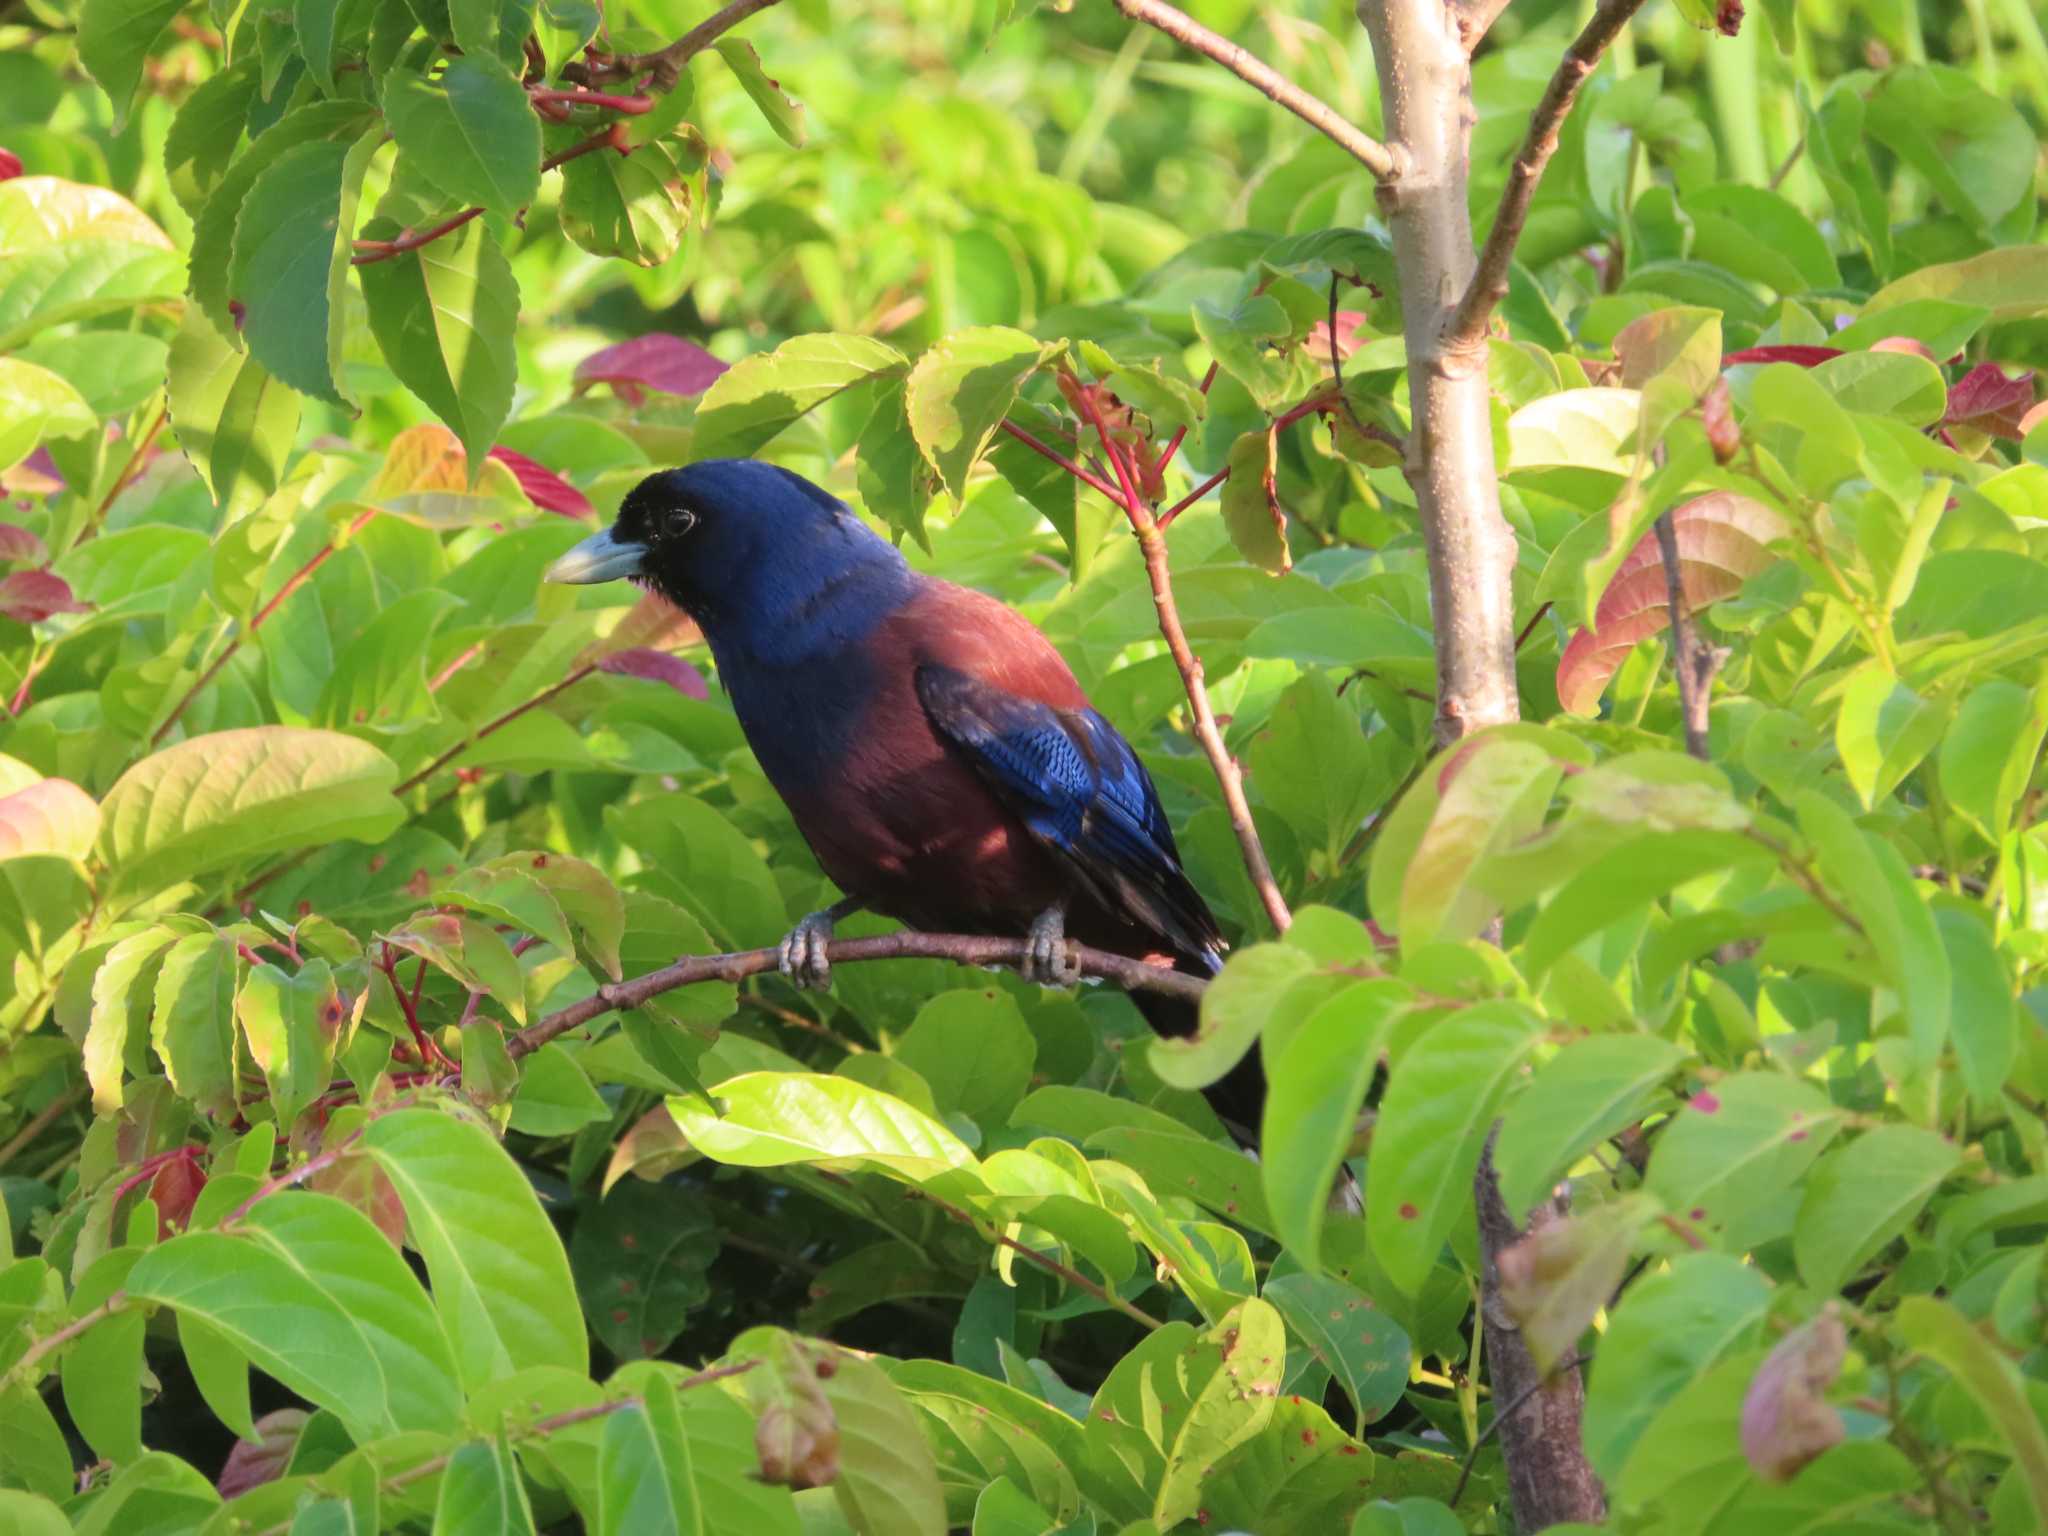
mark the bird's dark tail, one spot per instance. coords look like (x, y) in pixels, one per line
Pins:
(1239, 1097)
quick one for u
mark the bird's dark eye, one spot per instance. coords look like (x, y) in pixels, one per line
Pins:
(678, 521)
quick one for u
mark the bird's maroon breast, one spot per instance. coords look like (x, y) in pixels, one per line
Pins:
(906, 824)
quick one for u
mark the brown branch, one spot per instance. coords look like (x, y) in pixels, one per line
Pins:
(960, 948)
(1692, 659)
(667, 63)
(1152, 540)
(1549, 1480)
(632, 106)
(1475, 20)
(1489, 283)
(1318, 114)
(1166, 518)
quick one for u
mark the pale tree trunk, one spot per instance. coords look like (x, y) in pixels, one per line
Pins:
(1426, 98)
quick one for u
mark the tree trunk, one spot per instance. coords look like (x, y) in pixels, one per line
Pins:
(1426, 95)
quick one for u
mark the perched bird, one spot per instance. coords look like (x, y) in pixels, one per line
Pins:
(933, 747)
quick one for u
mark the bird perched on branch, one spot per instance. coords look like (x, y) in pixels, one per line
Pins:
(933, 747)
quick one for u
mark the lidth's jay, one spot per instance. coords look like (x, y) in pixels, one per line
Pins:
(933, 747)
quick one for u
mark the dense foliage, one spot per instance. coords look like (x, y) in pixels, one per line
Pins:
(325, 328)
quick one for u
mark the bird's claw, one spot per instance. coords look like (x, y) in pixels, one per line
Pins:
(1047, 960)
(801, 954)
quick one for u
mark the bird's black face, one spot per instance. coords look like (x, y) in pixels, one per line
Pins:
(667, 535)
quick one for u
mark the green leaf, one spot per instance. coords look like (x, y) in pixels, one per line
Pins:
(1591, 1089)
(292, 1022)
(233, 420)
(471, 133)
(81, 279)
(1863, 1195)
(1251, 507)
(1313, 765)
(30, 1514)
(974, 1049)
(1671, 1326)
(204, 135)
(2011, 282)
(1625, 881)
(759, 396)
(115, 38)
(635, 206)
(1936, 1329)
(1442, 1097)
(962, 389)
(1872, 882)
(1737, 1146)
(1314, 1093)
(36, 405)
(193, 1025)
(784, 116)
(1224, 1396)
(32, 1448)
(1363, 1348)
(1983, 1022)
(1988, 752)
(482, 1494)
(498, 1269)
(1492, 794)
(887, 1481)
(1971, 146)
(445, 315)
(555, 1097)
(120, 1004)
(1883, 731)
(102, 1368)
(1556, 1279)
(698, 859)
(640, 1255)
(284, 245)
(237, 795)
(772, 1119)
(1235, 1007)
(497, 27)
(319, 25)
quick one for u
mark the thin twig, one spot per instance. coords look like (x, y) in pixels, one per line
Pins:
(1152, 540)
(1086, 476)
(1778, 176)
(1490, 279)
(368, 251)
(1318, 114)
(1806, 879)
(24, 1368)
(1166, 518)
(667, 63)
(1694, 661)
(1173, 445)
(1529, 628)
(40, 1122)
(292, 584)
(961, 948)
(1052, 1266)
(1476, 19)
(135, 465)
(1499, 1414)
(500, 723)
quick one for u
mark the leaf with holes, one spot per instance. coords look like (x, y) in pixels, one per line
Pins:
(960, 391)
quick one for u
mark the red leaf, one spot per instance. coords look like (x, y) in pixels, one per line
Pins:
(658, 667)
(1805, 357)
(10, 165)
(1785, 1420)
(264, 1459)
(18, 546)
(1722, 539)
(29, 597)
(1985, 399)
(658, 361)
(175, 1189)
(544, 488)
(1349, 323)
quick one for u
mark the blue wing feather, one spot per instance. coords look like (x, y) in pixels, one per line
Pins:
(1080, 789)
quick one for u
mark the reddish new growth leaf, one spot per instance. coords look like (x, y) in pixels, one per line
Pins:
(175, 1189)
(264, 1459)
(18, 546)
(668, 365)
(29, 597)
(1786, 1422)
(10, 165)
(1723, 540)
(1349, 323)
(1788, 352)
(658, 667)
(1985, 400)
(1728, 17)
(544, 488)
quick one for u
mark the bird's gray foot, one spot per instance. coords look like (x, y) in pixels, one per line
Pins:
(801, 954)
(1046, 960)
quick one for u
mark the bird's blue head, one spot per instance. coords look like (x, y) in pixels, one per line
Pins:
(758, 556)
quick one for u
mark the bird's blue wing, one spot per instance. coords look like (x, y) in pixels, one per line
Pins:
(1080, 789)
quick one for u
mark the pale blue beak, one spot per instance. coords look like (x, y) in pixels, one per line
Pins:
(601, 557)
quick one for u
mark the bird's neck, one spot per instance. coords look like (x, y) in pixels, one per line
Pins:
(780, 618)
